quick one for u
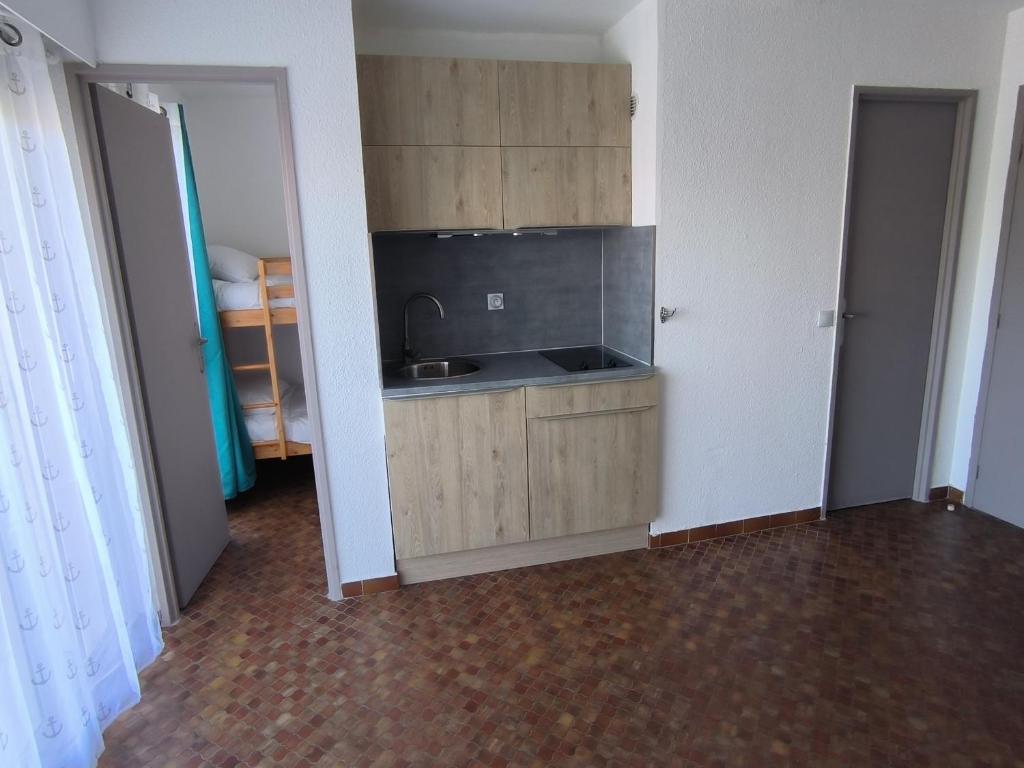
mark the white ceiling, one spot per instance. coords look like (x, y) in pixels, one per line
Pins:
(589, 17)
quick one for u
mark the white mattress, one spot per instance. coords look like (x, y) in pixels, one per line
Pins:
(247, 295)
(262, 425)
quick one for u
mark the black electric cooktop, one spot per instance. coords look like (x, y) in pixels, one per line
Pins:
(578, 359)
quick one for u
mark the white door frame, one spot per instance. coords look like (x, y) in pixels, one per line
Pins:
(1010, 193)
(966, 101)
(79, 78)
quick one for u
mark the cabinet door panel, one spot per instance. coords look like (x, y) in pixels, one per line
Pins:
(432, 187)
(565, 186)
(592, 472)
(416, 100)
(457, 472)
(564, 105)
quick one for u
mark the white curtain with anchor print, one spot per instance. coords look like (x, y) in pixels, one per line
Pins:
(77, 618)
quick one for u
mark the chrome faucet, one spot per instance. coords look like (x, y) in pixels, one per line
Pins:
(408, 353)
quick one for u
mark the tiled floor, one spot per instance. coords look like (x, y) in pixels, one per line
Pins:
(891, 635)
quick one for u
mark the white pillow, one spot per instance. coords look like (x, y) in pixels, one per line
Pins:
(227, 263)
(255, 388)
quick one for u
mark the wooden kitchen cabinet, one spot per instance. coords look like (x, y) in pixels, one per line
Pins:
(482, 144)
(593, 456)
(566, 186)
(432, 188)
(556, 104)
(415, 100)
(457, 472)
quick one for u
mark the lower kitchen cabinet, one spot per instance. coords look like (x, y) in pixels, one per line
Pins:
(457, 472)
(521, 467)
(593, 457)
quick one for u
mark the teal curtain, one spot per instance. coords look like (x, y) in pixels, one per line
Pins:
(234, 449)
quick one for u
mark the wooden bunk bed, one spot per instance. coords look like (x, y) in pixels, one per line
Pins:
(266, 317)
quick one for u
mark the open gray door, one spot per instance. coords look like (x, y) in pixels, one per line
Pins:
(902, 165)
(138, 166)
(1001, 453)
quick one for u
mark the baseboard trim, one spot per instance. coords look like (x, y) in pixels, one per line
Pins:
(946, 493)
(415, 570)
(733, 528)
(369, 586)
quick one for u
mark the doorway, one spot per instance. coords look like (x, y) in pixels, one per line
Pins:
(905, 191)
(998, 447)
(241, 186)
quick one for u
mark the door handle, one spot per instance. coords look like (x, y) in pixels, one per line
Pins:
(202, 341)
(849, 315)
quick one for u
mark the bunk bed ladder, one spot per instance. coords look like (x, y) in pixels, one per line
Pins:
(267, 317)
(270, 366)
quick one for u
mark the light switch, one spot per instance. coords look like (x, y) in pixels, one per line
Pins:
(826, 318)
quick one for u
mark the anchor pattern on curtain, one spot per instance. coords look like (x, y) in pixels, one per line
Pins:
(77, 619)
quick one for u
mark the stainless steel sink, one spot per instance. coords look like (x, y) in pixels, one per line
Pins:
(438, 369)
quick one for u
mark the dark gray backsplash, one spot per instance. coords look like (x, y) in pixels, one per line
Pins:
(553, 288)
(629, 291)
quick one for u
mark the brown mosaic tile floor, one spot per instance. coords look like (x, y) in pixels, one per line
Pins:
(889, 635)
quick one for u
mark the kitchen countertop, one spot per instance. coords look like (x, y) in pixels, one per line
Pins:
(504, 370)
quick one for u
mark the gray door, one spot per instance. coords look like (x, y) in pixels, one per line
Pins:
(138, 163)
(1001, 453)
(900, 184)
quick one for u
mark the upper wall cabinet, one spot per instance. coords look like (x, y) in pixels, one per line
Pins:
(564, 105)
(428, 101)
(477, 144)
(432, 187)
(565, 186)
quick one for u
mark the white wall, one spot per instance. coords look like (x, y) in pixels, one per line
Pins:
(755, 111)
(1011, 79)
(634, 39)
(314, 41)
(66, 22)
(480, 45)
(237, 157)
